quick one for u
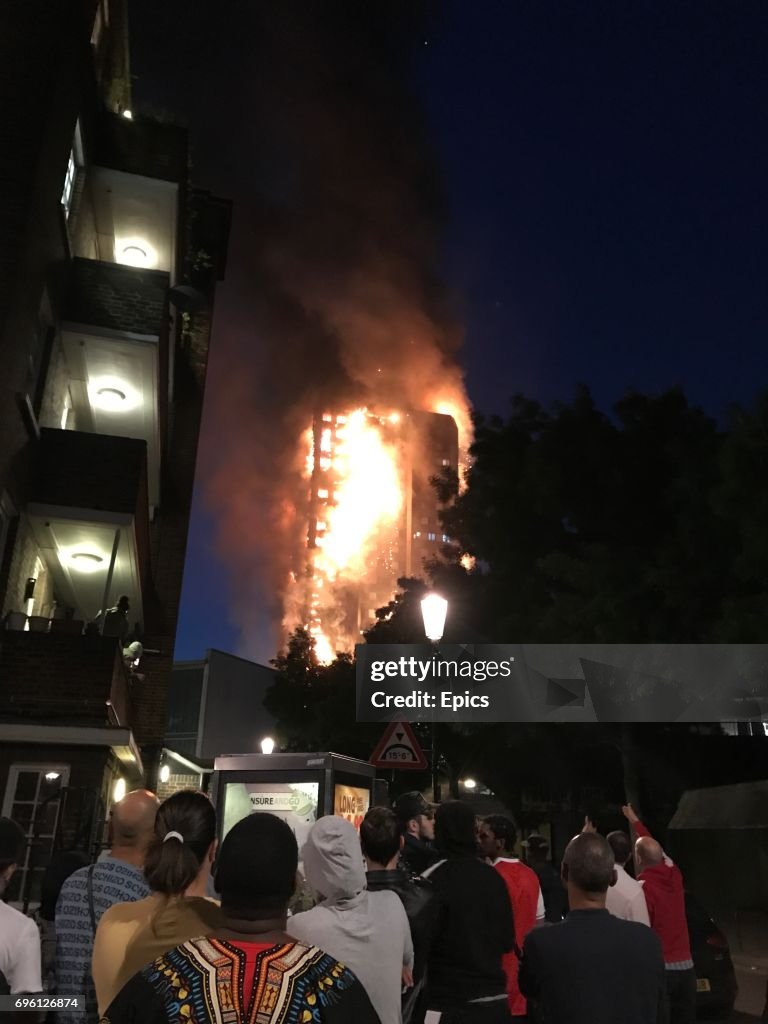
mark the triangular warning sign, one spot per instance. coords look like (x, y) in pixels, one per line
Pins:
(398, 748)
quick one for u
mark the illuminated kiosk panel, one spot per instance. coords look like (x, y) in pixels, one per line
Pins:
(299, 788)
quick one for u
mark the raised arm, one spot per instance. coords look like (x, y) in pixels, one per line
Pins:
(641, 831)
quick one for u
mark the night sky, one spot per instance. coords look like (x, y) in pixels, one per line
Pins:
(604, 168)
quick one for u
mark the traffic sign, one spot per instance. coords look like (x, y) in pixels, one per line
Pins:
(398, 748)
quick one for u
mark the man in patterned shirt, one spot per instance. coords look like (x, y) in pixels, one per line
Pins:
(118, 878)
(250, 969)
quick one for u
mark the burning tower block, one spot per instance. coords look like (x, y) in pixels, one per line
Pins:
(373, 513)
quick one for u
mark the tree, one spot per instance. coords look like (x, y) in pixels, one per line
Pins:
(314, 704)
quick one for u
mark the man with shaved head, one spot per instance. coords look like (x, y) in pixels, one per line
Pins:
(117, 878)
(664, 891)
(593, 968)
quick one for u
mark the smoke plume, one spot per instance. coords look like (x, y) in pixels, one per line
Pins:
(337, 259)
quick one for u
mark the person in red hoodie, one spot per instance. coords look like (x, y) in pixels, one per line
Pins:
(663, 886)
(497, 836)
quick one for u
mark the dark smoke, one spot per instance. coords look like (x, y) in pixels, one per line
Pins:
(336, 259)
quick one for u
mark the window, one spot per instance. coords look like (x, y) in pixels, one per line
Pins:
(70, 178)
(445, 462)
(446, 539)
(431, 536)
(33, 800)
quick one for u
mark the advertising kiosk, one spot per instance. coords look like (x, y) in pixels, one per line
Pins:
(299, 788)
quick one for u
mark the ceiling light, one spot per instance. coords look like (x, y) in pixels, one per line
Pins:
(135, 252)
(470, 784)
(118, 791)
(165, 773)
(111, 398)
(112, 394)
(52, 776)
(83, 561)
(134, 255)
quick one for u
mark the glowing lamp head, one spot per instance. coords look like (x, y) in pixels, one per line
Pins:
(118, 790)
(469, 784)
(85, 561)
(52, 776)
(433, 611)
(267, 745)
(128, 115)
(111, 398)
(135, 252)
(165, 773)
(113, 395)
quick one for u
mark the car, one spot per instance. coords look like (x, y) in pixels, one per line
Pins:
(715, 977)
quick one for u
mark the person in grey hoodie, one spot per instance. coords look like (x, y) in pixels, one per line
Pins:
(367, 931)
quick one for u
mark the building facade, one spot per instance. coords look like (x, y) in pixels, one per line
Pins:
(109, 260)
(373, 515)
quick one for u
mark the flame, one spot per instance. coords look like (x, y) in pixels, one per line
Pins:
(360, 464)
(368, 495)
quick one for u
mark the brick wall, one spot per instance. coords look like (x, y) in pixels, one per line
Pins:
(176, 783)
(23, 562)
(116, 296)
(56, 678)
(93, 471)
(56, 390)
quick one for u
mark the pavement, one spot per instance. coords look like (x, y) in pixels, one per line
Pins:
(748, 939)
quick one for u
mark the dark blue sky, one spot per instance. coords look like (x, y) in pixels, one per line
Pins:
(605, 167)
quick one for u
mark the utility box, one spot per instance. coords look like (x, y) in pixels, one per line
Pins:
(299, 788)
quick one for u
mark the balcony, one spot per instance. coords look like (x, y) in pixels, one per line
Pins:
(150, 149)
(116, 297)
(60, 680)
(88, 511)
(113, 322)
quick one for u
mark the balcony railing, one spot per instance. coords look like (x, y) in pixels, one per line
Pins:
(116, 297)
(57, 679)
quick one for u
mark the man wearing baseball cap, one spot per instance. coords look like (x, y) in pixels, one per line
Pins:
(552, 890)
(417, 822)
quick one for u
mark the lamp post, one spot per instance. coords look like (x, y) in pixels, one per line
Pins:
(434, 610)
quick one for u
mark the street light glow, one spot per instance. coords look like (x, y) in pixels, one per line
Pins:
(433, 611)
(267, 745)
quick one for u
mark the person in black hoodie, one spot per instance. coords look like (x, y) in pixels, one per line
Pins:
(381, 842)
(466, 981)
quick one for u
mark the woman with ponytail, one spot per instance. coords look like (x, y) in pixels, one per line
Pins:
(177, 870)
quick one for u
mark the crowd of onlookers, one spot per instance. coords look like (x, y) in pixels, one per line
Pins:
(426, 915)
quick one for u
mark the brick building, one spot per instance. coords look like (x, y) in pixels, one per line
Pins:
(109, 260)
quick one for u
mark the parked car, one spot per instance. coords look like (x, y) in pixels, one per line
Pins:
(715, 977)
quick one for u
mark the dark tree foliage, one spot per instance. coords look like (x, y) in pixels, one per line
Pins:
(314, 704)
(646, 526)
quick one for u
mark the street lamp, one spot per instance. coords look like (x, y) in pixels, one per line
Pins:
(434, 610)
(267, 745)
